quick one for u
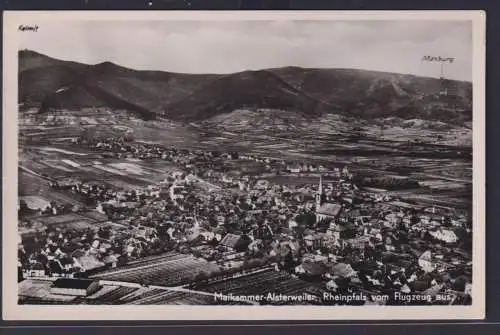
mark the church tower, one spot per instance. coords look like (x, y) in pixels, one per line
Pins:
(320, 194)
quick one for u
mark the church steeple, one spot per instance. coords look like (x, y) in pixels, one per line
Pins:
(320, 193)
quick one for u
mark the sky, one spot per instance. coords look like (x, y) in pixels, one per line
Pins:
(232, 46)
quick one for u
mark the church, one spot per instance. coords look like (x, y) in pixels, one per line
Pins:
(325, 210)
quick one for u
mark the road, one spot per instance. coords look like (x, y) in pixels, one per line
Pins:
(25, 169)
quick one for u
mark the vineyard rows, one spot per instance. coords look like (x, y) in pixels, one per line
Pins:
(174, 271)
(268, 281)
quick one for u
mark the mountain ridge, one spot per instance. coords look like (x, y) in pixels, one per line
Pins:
(194, 97)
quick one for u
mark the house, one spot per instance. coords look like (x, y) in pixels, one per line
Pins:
(331, 239)
(235, 242)
(313, 268)
(348, 200)
(434, 289)
(146, 233)
(425, 262)
(284, 249)
(445, 235)
(74, 287)
(312, 241)
(332, 286)
(327, 211)
(232, 255)
(342, 270)
(221, 220)
(35, 202)
(55, 268)
(35, 270)
(255, 245)
(468, 288)
(345, 171)
(359, 242)
(111, 260)
(428, 263)
(66, 263)
(88, 263)
(262, 184)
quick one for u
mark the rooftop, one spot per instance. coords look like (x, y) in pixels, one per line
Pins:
(329, 209)
(230, 240)
(80, 284)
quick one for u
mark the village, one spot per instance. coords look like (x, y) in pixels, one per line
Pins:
(219, 219)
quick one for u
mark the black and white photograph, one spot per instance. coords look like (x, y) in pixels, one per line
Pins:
(244, 161)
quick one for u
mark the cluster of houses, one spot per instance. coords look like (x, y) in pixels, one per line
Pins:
(331, 233)
(60, 254)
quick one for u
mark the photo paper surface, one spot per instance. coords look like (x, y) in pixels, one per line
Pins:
(244, 165)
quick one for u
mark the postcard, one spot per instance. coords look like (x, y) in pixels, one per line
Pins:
(232, 165)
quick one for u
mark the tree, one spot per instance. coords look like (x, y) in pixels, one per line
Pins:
(306, 219)
(247, 264)
(447, 222)
(289, 262)
(212, 221)
(129, 137)
(104, 233)
(414, 220)
(163, 232)
(213, 242)
(201, 276)
(23, 205)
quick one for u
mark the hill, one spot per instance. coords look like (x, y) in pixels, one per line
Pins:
(371, 94)
(29, 59)
(50, 83)
(244, 90)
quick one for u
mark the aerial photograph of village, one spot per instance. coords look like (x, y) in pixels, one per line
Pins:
(245, 163)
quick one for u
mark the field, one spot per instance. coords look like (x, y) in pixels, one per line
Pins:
(65, 125)
(46, 150)
(292, 179)
(166, 297)
(37, 291)
(264, 282)
(32, 185)
(71, 221)
(32, 291)
(168, 270)
(423, 152)
(60, 163)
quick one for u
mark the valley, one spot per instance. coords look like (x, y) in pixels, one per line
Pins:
(160, 187)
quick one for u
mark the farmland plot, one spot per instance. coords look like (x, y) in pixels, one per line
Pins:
(31, 185)
(74, 221)
(266, 281)
(169, 271)
(112, 296)
(176, 298)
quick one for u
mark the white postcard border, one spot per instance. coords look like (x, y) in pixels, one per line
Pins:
(13, 311)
